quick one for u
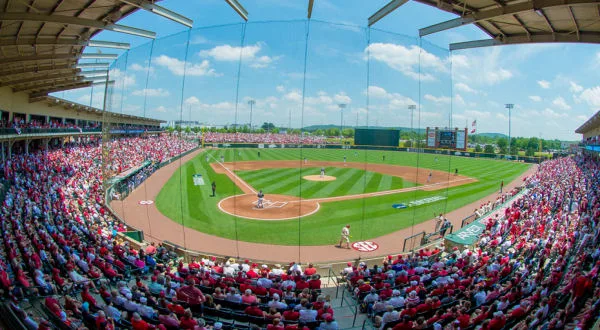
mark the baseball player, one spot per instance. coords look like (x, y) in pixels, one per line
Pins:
(260, 196)
(344, 160)
(429, 177)
(345, 237)
(322, 172)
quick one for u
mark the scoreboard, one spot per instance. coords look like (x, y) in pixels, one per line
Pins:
(447, 138)
(376, 137)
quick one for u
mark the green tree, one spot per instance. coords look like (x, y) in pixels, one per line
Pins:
(348, 132)
(489, 149)
(478, 148)
(502, 145)
(188, 129)
(267, 126)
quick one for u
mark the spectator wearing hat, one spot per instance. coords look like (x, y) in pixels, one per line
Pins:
(329, 324)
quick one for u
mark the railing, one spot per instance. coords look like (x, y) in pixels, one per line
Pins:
(468, 220)
(20, 131)
(413, 241)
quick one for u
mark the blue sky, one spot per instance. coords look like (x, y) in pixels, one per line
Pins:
(554, 86)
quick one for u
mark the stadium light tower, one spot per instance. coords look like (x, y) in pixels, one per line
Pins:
(509, 106)
(251, 103)
(412, 108)
(342, 107)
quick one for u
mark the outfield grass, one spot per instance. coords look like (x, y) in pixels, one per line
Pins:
(349, 181)
(183, 202)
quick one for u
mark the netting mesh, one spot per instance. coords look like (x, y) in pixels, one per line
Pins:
(227, 88)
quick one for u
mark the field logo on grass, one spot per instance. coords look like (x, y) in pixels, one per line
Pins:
(365, 246)
(427, 200)
(198, 180)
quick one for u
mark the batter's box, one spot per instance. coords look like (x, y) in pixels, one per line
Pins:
(267, 204)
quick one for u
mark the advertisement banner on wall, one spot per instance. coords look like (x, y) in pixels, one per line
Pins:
(431, 139)
(460, 139)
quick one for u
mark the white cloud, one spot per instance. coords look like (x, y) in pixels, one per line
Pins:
(192, 100)
(376, 92)
(125, 79)
(487, 68)
(459, 99)
(462, 87)
(561, 103)
(437, 99)
(280, 89)
(535, 98)
(249, 54)
(179, 67)
(544, 84)
(574, 87)
(591, 96)
(294, 96)
(137, 67)
(406, 59)
(341, 97)
(151, 92)
(549, 113)
(160, 109)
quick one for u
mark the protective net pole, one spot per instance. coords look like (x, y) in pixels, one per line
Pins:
(181, 180)
(144, 115)
(301, 141)
(237, 97)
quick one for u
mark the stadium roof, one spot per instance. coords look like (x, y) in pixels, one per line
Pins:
(515, 21)
(42, 42)
(590, 124)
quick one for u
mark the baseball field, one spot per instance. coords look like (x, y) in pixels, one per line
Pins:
(376, 192)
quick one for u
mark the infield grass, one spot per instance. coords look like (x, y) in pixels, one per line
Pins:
(192, 205)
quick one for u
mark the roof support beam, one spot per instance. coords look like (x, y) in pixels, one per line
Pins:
(35, 58)
(59, 89)
(385, 10)
(37, 78)
(574, 21)
(238, 9)
(500, 11)
(48, 83)
(585, 37)
(36, 69)
(521, 24)
(161, 11)
(30, 41)
(76, 21)
(310, 8)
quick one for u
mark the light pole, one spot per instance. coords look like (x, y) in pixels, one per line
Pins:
(251, 103)
(342, 107)
(412, 108)
(509, 106)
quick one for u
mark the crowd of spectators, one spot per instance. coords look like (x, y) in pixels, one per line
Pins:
(129, 153)
(592, 140)
(20, 124)
(274, 138)
(535, 266)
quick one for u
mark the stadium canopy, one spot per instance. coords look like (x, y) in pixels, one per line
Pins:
(591, 125)
(42, 42)
(515, 21)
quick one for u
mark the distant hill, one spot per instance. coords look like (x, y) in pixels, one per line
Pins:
(491, 135)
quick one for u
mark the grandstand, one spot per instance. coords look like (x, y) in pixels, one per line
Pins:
(526, 258)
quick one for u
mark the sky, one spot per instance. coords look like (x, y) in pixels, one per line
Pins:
(298, 73)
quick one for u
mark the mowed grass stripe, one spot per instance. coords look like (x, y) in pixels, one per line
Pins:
(346, 186)
(257, 175)
(288, 185)
(267, 179)
(385, 183)
(373, 184)
(312, 189)
(359, 185)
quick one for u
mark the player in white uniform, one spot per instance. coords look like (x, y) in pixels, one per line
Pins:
(322, 172)
(345, 237)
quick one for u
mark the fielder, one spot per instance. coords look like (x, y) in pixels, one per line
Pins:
(259, 203)
(322, 172)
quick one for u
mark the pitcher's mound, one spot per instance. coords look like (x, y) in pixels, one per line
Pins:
(319, 178)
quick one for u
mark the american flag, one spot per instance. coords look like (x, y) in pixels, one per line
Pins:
(474, 126)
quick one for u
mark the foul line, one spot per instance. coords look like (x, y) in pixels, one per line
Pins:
(378, 193)
(235, 177)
